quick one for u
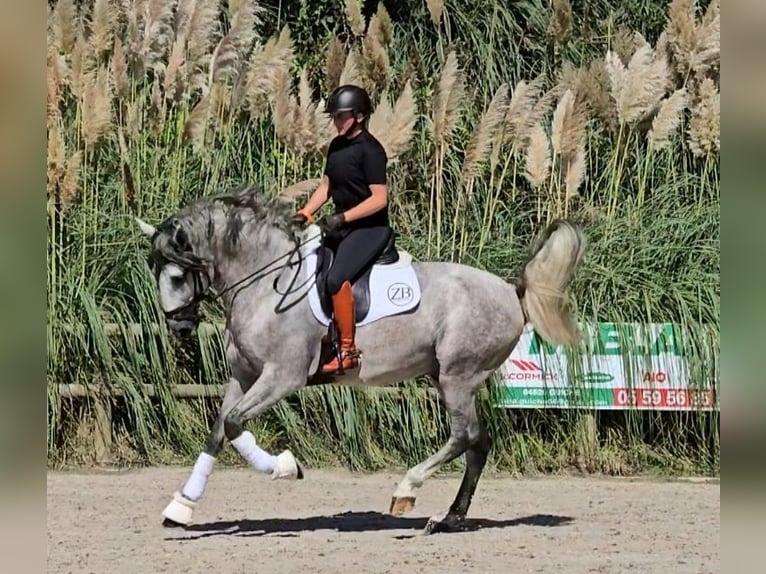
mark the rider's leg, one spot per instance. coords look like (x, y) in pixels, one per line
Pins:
(354, 253)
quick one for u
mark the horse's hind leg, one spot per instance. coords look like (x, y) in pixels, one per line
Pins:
(465, 433)
(179, 511)
(475, 459)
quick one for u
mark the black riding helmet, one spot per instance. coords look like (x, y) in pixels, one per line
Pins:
(349, 98)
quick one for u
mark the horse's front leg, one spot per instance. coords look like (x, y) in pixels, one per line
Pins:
(179, 510)
(275, 383)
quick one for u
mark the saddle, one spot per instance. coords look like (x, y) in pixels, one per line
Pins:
(361, 287)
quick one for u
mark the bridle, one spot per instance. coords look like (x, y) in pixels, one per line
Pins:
(201, 290)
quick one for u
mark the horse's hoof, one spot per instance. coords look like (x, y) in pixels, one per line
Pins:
(401, 505)
(179, 511)
(286, 467)
(442, 524)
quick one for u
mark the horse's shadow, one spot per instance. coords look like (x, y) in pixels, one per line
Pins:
(369, 521)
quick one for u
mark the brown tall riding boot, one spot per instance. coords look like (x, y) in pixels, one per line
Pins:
(345, 318)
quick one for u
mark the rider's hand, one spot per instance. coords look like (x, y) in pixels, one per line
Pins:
(330, 223)
(299, 219)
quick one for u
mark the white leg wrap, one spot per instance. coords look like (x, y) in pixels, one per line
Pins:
(258, 458)
(179, 510)
(195, 486)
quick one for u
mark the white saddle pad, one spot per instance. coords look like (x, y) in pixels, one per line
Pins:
(394, 288)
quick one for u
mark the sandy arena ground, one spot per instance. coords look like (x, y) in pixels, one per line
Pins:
(334, 521)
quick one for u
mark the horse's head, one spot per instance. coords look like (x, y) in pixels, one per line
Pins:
(182, 275)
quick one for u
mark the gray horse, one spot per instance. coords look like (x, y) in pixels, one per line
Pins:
(465, 324)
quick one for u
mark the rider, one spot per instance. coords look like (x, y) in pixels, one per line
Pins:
(358, 230)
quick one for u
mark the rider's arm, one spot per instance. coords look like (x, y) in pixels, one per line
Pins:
(318, 198)
(377, 201)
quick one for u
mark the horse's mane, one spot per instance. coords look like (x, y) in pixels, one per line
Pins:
(242, 206)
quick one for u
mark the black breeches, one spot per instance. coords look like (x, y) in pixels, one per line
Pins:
(353, 253)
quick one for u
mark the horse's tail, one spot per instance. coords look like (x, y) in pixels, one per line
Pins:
(543, 287)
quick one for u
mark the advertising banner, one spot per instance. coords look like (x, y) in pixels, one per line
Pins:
(623, 366)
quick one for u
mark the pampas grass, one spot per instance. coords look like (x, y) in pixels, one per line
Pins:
(704, 133)
(96, 106)
(667, 120)
(446, 108)
(538, 156)
(353, 10)
(334, 64)
(393, 126)
(637, 88)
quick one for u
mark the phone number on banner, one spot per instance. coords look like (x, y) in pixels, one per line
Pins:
(669, 398)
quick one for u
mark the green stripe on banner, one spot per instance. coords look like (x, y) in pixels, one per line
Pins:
(554, 397)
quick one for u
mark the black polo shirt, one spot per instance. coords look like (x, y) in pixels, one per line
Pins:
(352, 166)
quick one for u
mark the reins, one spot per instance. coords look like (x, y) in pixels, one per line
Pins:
(203, 295)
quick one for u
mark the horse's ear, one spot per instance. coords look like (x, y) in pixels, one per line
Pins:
(149, 230)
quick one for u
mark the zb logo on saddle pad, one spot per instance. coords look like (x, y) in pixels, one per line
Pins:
(400, 294)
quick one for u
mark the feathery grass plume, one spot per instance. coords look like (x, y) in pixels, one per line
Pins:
(569, 124)
(176, 78)
(381, 118)
(527, 106)
(394, 126)
(480, 143)
(637, 88)
(353, 69)
(376, 61)
(134, 120)
(708, 53)
(667, 120)
(283, 112)
(575, 171)
(704, 133)
(56, 153)
(435, 9)
(55, 79)
(625, 43)
(235, 46)
(334, 62)
(102, 23)
(353, 10)
(560, 21)
(446, 100)
(96, 105)
(204, 28)
(682, 33)
(383, 21)
(297, 189)
(157, 34)
(184, 15)
(264, 72)
(538, 156)
(70, 183)
(156, 108)
(120, 70)
(592, 91)
(173, 82)
(305, 113)
(65, 25)
(197, 126)
(324, 126)
(133, 32)
(82, 65)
